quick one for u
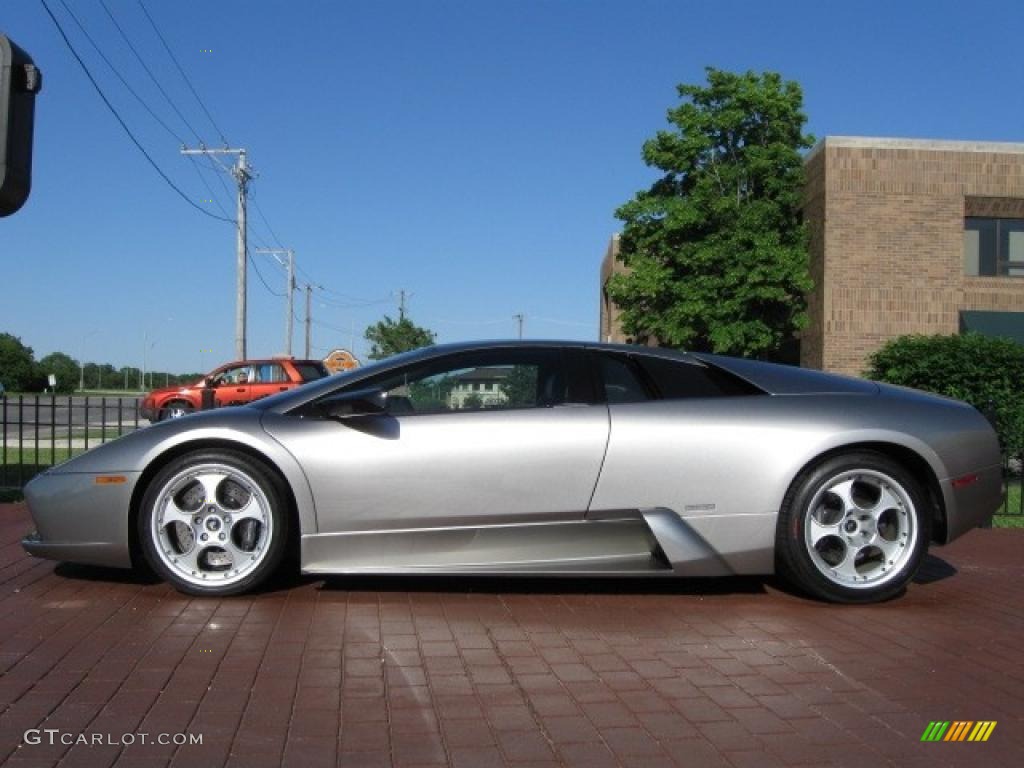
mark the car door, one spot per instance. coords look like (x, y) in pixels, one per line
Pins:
(493, 437)
(232, 385)
(269, 379)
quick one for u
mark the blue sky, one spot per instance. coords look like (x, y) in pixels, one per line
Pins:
(471, 153)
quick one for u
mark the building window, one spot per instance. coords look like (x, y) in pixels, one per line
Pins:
(994, 247)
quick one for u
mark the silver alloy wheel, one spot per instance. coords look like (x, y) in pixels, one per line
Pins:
(860, 528)
(212, 524)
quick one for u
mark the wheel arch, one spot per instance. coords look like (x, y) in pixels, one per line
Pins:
(908, 457)
(172, 453)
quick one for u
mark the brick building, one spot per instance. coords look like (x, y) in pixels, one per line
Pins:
(907, 236)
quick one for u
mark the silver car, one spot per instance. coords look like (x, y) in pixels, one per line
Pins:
(539, 458)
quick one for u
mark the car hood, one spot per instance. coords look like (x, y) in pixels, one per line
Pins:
(172, 390)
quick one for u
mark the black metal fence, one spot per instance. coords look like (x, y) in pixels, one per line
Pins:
(38, 431)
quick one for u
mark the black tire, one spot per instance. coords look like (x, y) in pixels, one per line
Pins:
(806, 571)
(175, 410)
(277, 538)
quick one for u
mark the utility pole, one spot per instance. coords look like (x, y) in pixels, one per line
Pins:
(309, 318)
(242, 174)
(402, 298)
(520, 318)
(289, 291)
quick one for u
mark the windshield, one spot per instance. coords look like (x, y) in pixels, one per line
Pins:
(317, 387)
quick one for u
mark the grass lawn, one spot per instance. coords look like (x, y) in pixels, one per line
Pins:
(15, 468)
(1013, 497)
(46, 457)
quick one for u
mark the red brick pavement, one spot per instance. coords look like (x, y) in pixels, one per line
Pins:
(489, 672)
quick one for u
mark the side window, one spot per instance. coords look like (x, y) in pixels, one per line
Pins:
(490, 380)
(622, 383)
(269, 373)
(678, 379)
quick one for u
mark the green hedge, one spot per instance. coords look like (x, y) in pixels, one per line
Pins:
(986, 372)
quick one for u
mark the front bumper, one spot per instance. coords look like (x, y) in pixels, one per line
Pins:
(974, 504)
(78, 520)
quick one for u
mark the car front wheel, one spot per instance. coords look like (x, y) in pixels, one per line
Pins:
(214, 523)
(853, 529)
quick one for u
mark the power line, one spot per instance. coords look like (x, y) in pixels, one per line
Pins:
(156, 82)
(556, 321)
(209, 189)
(188, 82)
(119, 76)
(218, 171)
(355, 304)
(259, 274)
(322, 324)
(121, 121)
(445, 321)
(174, 134)
(267, 223)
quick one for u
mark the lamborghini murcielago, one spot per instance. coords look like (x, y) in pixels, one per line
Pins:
(538, 458)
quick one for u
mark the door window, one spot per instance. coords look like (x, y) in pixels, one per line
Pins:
(489, 380)
(270, 373)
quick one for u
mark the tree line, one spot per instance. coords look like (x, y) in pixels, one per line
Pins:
(21, 372)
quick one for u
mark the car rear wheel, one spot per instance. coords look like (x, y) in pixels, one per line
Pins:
(853, 529)
(214, 523)
(175, 410)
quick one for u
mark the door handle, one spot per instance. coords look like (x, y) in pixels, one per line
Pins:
(282, 389)
(240, 389)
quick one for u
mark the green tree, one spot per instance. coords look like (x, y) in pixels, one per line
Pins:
(389, 337)
(716, 248)
(105, 377)
(64, 368)
(520, 386)
(984, 371)
(17, 364)
(472, 401)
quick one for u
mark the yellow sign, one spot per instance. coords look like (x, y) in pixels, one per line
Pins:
(340, 360)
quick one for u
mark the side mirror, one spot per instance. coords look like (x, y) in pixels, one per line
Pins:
(359, 402)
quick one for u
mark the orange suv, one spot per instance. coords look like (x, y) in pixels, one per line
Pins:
(232, 384)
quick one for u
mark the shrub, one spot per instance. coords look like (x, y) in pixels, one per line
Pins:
(986, 372)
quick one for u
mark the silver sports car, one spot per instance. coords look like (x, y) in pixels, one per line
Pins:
(543, 459)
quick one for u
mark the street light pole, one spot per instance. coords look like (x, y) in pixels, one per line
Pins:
(81, 373)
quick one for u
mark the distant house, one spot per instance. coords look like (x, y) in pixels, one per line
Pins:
(483, 383)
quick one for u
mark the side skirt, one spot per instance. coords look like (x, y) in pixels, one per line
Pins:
(612, 546)
(648, 542)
